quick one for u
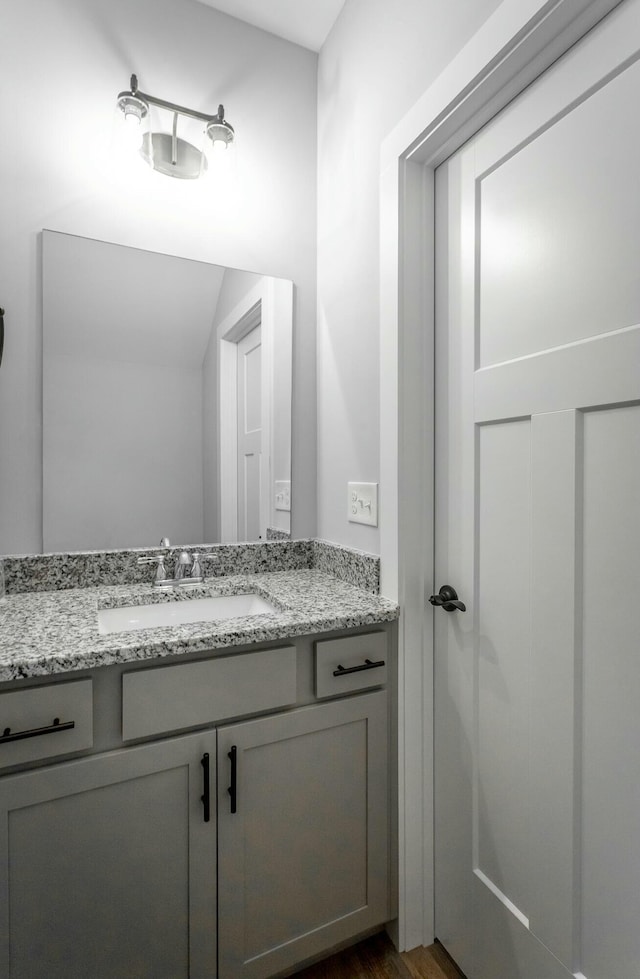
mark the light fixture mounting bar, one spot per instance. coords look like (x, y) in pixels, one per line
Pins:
(171, 106)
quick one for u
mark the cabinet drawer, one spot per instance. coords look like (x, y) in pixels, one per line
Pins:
(183, 695)
(354, 663)
(32, 712)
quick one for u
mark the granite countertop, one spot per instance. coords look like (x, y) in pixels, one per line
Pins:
(47, 632)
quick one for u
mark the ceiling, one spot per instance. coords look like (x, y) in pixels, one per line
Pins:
(305, 22)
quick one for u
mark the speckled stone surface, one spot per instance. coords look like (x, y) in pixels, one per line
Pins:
(355, 567)
(274, 534)
(48, 572)
(43, 633)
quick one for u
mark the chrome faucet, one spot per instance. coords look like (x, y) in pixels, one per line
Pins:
(187, 570)
(184, 561)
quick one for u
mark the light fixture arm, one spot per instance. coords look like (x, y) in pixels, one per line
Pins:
(173, 106)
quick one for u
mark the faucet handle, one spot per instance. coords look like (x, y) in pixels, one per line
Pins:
(198, 558)
(158, 559)
(196, 567)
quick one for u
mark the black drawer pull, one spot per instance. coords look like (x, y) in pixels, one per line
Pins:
(36, 731)
(206, 796)
(367, 665)
(233, 788)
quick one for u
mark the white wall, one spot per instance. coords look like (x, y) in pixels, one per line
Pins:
(107, 449)
(123, 337)
(63, 64)
(235, 286)
(378, 60)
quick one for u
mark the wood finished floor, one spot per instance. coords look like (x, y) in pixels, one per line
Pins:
(376, 958)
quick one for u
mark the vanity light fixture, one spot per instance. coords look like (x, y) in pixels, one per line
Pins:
(167, 152)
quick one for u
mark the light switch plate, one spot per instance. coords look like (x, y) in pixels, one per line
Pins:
(362, 503)
(283, 494)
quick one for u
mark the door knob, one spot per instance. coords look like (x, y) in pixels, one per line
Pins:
(447, 597)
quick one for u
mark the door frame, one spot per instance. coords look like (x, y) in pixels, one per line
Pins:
(231, 331)
(518, 42)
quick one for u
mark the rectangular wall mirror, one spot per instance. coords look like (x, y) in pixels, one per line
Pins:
(166, 399)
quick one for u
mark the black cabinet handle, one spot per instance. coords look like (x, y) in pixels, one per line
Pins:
(36, 731)
(1, 333)
(447, 597)
(233, 788)
(206, 796)
(367, 665)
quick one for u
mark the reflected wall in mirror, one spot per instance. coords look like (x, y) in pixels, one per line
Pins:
(166, 399)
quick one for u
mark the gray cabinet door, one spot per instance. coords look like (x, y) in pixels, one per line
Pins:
(303, 862)
(102, 860)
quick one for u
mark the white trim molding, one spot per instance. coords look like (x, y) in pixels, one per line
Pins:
(515, 45)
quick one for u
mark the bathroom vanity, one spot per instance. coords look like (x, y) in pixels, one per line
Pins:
(221, 804)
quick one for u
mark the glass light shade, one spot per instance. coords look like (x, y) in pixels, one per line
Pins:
(132, 117)
(219, 151)
(134, 110)
(133, 130)
(216, 148)
(128, 131)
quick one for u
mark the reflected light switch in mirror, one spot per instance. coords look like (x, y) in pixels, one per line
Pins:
(362, 503)
(283, 494)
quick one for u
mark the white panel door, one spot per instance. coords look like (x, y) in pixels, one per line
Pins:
(249, 434)
(538, 526)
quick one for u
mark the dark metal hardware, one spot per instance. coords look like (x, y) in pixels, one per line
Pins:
(447, 597)
(173, 106)
(233, 788)
(206, 796)
(36, 731)
(367, 665)
(1, 333)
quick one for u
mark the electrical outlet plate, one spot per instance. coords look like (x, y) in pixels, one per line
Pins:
(283, 494)
(362, 503)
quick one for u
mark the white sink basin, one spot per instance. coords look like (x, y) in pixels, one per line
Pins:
(132, 617)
